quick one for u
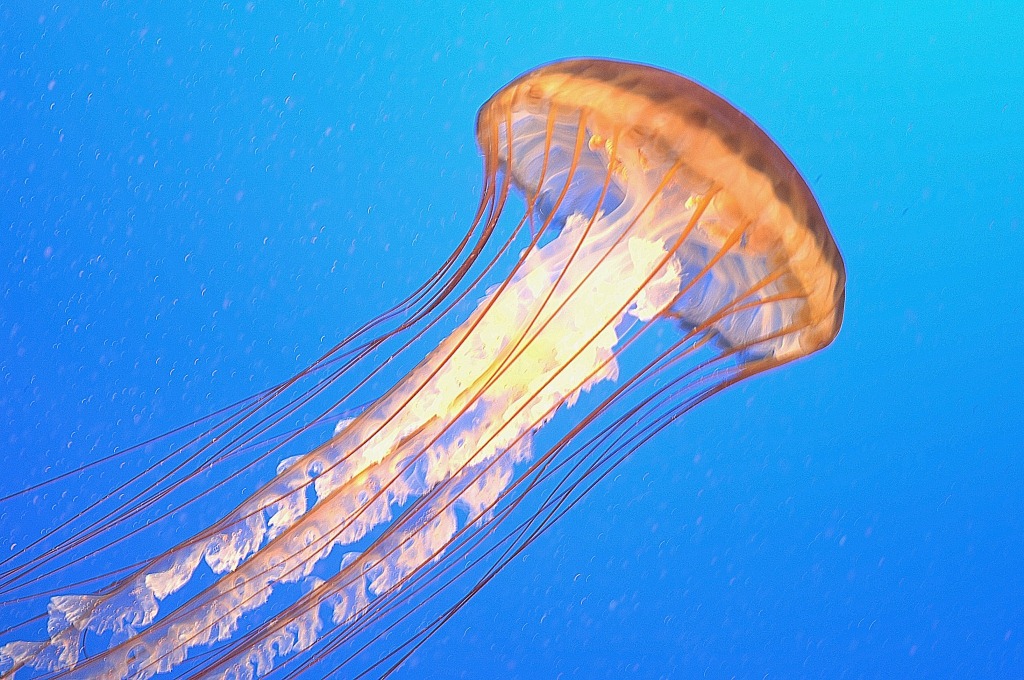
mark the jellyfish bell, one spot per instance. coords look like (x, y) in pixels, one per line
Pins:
(647, 202)
(671, 141)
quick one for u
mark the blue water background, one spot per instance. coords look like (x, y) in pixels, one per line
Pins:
(197, 199)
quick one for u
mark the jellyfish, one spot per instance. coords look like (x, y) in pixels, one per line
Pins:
(657, 248)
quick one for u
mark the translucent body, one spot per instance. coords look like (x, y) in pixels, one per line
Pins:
(649, 201)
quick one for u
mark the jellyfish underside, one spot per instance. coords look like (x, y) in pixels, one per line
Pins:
(437, 484)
